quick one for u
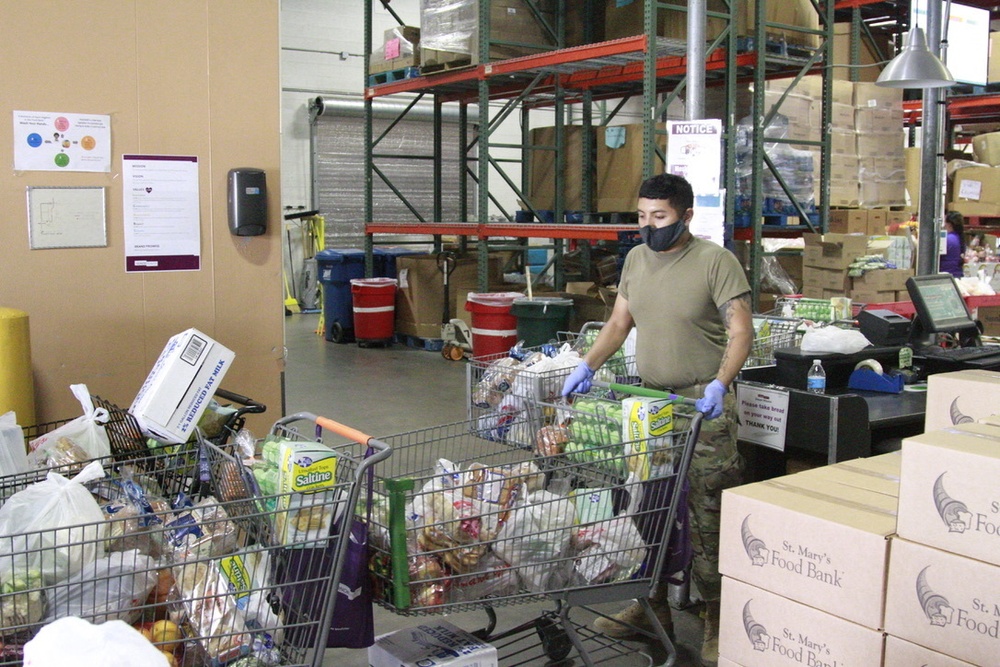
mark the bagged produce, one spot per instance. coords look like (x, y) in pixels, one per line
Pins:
(54, 526)
(22, 602)
(85, 432)
(113, 587)
(535, 540)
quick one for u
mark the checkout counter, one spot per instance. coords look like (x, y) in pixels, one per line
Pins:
(860, 414)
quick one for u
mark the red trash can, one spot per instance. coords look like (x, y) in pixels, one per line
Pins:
(494, 329)
(374, 309)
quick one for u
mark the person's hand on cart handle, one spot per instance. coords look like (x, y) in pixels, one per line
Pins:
(710, 404)
(579, 380)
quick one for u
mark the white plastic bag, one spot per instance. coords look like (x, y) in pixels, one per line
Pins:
(86, 432)
(13, 458)
(74, 641)
(535, 540)
(54, 526)
(834, 339)
(110, 588)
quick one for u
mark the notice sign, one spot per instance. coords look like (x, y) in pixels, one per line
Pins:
(763, 415)
(694, 151)
(162, 213)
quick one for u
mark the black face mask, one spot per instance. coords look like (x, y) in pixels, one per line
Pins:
(662, 238)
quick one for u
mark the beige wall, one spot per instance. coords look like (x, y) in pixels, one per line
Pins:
(186, 77)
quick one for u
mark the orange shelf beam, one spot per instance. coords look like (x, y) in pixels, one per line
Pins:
(501, 229)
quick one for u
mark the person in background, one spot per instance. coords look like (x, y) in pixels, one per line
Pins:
(689, 301)
(953, 259)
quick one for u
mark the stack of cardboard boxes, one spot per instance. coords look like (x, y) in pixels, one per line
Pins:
(975, 191)
(885, 561)
(826, 262)
(400, 49)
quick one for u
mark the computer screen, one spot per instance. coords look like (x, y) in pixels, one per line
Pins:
(939, 305)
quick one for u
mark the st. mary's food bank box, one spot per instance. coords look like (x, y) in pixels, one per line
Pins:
(961, 396)
(438, 644)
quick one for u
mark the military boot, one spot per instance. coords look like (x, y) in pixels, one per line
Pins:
(710, 643)
(635, 615)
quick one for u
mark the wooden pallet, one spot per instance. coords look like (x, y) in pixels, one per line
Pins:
(393, 75)
(446, 66)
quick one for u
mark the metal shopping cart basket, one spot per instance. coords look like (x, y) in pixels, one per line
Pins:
(501, 386)
(238, 577)
(465, 519)
(772, 333)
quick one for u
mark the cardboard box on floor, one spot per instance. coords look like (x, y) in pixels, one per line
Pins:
(901, 653)
(825, 547)
(959, 395)
(944, 602)
(947, 491)
(420, 296)
(759, 628)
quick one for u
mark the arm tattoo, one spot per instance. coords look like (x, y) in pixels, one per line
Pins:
(726, 309)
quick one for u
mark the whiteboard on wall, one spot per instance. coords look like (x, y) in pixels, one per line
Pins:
(66, 217)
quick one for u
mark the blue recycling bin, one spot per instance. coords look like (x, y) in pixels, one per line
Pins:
(385, 259)
(337, 267)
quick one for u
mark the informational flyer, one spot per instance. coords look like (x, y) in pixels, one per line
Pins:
(694, 151)
(763, 415)
(161, 212)
(47, 141)
(66, 217)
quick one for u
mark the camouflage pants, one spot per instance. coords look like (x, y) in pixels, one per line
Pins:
(715, 465)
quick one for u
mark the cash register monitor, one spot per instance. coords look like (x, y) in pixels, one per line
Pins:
(940, 309)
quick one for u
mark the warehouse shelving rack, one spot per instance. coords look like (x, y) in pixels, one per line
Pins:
(645, 64)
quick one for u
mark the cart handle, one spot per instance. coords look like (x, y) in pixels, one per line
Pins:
(348, 432)
(643, 391)
(249, 406)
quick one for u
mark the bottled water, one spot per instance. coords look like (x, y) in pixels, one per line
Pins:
(816, 380)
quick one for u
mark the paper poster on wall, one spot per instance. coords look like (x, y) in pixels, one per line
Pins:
(47, 141)
(66, 218)
(161, 210)
(709, 217)
(763, 415)
(694, 151)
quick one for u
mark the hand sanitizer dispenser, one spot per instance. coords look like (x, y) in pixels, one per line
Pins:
(247, 202)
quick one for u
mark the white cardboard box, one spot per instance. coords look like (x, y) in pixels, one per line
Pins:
(861, 475)
(436, 644)
(944, 602)
(179, 387)
(758, 628)
(901, 653)
(953, 398)
(726, 662)
(948, 492)
(827, 552)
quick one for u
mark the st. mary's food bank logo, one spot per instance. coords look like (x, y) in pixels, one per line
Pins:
(954, 513)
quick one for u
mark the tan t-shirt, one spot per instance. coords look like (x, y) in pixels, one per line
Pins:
(674, 298)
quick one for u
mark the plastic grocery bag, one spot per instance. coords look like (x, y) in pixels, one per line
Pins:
(74, 641)
(86, 432)
(833, 339)
(536, 538)
(54, 526)
(13, 458)
(110, 588)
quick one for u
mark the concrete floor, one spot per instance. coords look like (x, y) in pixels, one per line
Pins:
(384, 391)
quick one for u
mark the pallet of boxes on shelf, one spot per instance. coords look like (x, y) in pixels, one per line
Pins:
(397, 57)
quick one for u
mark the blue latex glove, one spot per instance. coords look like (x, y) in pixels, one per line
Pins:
(711, 403)
(579, 380)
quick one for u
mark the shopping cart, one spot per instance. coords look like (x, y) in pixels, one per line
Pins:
(502, 386)
(238, 578)
(772, 333)
(466, 519)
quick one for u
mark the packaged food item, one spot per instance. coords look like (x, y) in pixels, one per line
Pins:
(201, 531)
(550, 440)
(309, 497)
(496, 382)
(209, 613)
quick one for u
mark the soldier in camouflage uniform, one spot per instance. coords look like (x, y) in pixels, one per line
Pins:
(689, 301)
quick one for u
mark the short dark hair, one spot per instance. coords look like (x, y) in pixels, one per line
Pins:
(670, 187)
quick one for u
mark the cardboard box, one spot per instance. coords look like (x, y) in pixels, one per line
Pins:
(865, 295)
(878, 192)
(947, 494)
(989, 316)
(434, 644)
(878, 120)
(181, 383)
(880, 144)
(820, 293)
(851, 221)
(868, 57)
(760, 629)
(841, 116)
(944, 602)
(960, 395)
(833, 251)
(886, 167)
(878, 220)
(986, 148)
(726, 662)
(842, 193)
(819, 543)
(912, 158)
(993, 69)
(843, 142)
(619, 158)
(452, 35)
(901, 653)
(883, 280)
(542, 169)
(827, 279)
(871, 96)
(420, 296)
(976, 191)
(857, 476)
